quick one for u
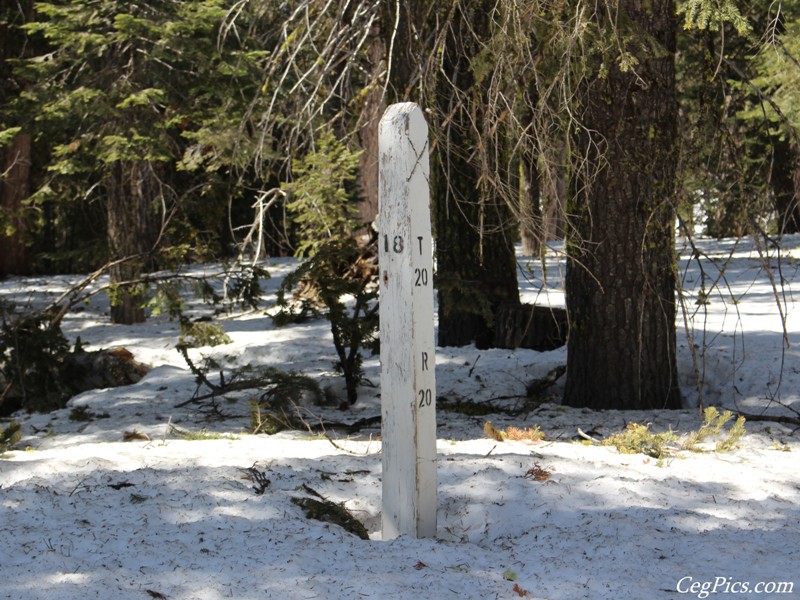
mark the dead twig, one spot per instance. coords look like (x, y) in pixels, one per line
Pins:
(771, 418)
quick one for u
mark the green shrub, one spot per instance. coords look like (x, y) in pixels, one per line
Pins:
(201, 333)
(638, 439)
(339, 283)
(33, 353)
(714, 426)
(9, 436)
(323, 194)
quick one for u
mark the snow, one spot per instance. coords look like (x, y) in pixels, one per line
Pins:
(84, 514)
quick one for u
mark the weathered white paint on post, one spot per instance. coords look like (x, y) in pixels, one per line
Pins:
(408, 376)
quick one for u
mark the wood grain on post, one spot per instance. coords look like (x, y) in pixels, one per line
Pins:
(408, 379)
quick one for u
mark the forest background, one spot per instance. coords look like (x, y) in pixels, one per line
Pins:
(141, 137)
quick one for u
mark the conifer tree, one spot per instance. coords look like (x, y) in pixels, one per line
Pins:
(15, 144)
(128, 95)
(620, 283)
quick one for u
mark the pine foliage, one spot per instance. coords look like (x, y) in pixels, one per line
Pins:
(33, 355)
(339, 282)
(321, 195)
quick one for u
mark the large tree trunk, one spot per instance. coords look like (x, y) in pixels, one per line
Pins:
(15, 159)
(530, 211)
(620, 273)
(15, 162)
(476, 266)
(371, 112)
(133, 190)
(785, 181)
(792, 224)
(474, 229)
(554, 222)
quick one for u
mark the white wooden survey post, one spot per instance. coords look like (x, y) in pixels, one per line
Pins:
(408, 376)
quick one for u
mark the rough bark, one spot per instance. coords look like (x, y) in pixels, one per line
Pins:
(793, 223)
(14, 189)
(476, 265)
(785, 182)
(530, 210)
(620, 274)
(15, 159)
(540, 328)
(554, 223)
(133, 191)
(403, 26)
(371, 113)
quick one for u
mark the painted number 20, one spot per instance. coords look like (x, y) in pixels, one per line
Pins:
(425, 397)
(420, 277)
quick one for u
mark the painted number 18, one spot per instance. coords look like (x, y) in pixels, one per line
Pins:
(396, 245)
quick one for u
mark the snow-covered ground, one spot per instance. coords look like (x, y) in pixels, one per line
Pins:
(84, 514)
